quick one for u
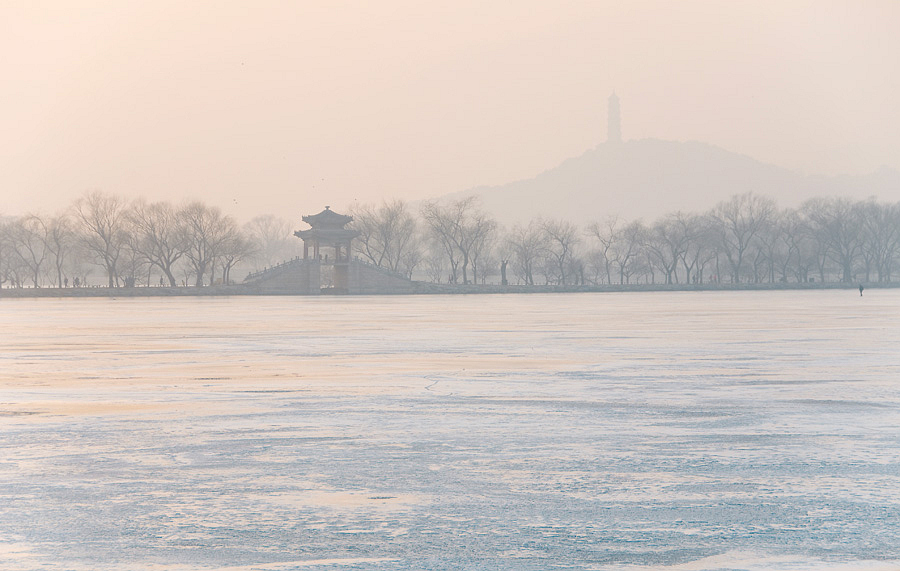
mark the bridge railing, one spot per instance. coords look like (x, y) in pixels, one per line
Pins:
(381, 269)
(276, 269)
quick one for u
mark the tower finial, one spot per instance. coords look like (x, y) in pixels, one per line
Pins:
(614, 120)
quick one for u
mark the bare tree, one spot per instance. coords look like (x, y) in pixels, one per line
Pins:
(737, 222)
(766, 249)
(697, 251)
(236, 246)
(207, 232)
(159, 235)
(5, 253)
(605, 233)
(386, 234)
(103, 220)
(527, 244)
(818, 254)
(627, 250)
(434, 262)
(132, 263)
(785, 243)
(666, 244)
(458, 228)
(881, 237)
(411, 259)
(480, 242)
(561, 238)
(60, 243)
(273, 239)
(837, 225)
(28, 238)
(445, 229)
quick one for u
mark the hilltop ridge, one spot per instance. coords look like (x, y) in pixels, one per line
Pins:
(648, 178)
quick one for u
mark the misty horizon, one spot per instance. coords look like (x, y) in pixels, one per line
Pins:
(820, 186)
(283, 107)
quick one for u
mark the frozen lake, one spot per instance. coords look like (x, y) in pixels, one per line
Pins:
(688, 431)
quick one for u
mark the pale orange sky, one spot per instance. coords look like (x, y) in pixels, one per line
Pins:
(282, 107)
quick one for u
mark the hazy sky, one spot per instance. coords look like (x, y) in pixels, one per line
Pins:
(283, 107)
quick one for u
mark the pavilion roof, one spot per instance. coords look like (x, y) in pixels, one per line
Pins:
(327, 234)
(328, 219)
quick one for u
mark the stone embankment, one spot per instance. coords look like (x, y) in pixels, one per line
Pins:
(423, 287)
(124, 291)
(420, 288)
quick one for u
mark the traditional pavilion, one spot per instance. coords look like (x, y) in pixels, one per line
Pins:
(327, 231)
(327, 266)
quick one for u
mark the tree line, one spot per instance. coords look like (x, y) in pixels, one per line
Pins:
(103, 238)
(745, 239)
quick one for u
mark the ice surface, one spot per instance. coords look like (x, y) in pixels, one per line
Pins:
(688, 431)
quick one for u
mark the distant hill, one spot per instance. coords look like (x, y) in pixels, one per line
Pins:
(648, 178)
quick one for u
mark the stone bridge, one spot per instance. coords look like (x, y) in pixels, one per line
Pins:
(313, 277)
(327, 265)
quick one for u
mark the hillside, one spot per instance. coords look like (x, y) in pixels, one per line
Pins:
(650, 177)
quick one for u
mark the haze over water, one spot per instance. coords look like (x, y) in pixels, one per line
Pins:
(703, 430)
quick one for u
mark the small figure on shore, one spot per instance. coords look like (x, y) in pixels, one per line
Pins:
(77, 282)
(66, 282)
(861, 288)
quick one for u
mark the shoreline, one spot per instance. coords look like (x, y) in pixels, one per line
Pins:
(421, 288)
